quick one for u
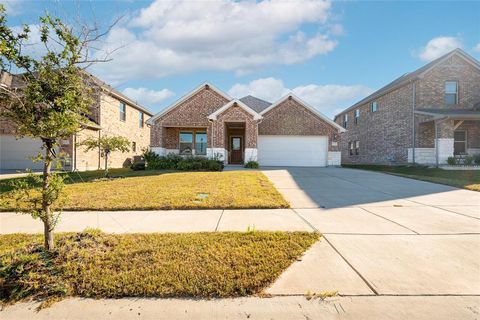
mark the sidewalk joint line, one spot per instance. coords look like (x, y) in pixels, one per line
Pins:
(305, 220)
(399, 224)
(351, 266)
(219, 218)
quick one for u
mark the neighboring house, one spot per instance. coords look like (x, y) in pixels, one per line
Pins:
(422, 117)
(112, 114)
(208, 122)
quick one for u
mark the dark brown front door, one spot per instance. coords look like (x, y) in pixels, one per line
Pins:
(236, 150)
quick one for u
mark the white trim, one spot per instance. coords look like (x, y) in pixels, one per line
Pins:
(186, 97)
(256, 116)
(308, 107)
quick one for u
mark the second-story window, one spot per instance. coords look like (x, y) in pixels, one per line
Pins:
(374, 106)
(451, 92)
(357, 116)
(345, 120)
(357, 147)
(141, 119)
(123, 111)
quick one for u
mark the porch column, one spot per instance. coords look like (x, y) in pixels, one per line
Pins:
(444, 140)
(216, 145)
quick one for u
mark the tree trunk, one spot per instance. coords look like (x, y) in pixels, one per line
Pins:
(106, 164)
(47, 218)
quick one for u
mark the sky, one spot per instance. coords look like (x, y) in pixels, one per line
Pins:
(329, 53)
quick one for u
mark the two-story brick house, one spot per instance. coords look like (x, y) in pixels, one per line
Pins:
(113, 113)
(422, 117)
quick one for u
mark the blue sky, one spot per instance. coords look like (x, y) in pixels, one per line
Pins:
(331, 54)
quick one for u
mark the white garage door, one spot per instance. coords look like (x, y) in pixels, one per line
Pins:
(302, 151)
(14, 154)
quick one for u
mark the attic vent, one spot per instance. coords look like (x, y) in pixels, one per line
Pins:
(289, 97)
(207, 87)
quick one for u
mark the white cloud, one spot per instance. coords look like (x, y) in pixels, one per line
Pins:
(13, 7)
(477, 47)
(148, 97)
(439, 46)
(176, 37)
(328, 99)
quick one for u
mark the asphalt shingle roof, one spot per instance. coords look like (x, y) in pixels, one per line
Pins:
(258, 105)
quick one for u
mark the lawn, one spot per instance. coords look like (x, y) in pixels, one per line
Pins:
(99, 265)
(467, 179)
(150, 190)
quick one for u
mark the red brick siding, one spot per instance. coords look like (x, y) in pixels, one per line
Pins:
(235, 114)
(292, 118)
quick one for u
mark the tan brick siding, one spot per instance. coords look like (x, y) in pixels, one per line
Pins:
(87, 160)
(130, 129)
(291, 118)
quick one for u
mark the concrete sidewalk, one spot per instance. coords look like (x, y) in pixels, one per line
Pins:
(162, 221)
(293, 307)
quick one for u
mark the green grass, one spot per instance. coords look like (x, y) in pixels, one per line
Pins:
(467, 179)
(98, 265)
(151, 190)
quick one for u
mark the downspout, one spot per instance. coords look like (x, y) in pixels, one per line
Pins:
(414, 124)
(436, 139)
(211, 138)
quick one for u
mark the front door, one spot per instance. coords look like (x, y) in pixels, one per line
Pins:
(459, 142)
(236, 150)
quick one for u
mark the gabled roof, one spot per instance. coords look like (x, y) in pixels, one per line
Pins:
(186, 97)
(242, 105)
(308, 107)
(407, 77)
(255, 103)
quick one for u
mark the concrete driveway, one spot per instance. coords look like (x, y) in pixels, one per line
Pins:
(383, 234)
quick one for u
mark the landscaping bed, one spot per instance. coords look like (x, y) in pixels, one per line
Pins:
(99, 265)
(467, 179)
(155, 190)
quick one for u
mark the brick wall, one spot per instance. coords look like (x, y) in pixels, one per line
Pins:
(292, 118)
(386, 135)
(192, 112)
(235, 114)
(130, 129)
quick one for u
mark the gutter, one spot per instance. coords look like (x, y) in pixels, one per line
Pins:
(413, 116)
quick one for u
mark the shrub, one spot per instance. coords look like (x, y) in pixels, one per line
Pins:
(251, 165)
(476, 158)
(451, 161)
(468, 161)
(137, 166)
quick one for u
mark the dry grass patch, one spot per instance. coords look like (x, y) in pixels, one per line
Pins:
(171, 190)
(94, 264)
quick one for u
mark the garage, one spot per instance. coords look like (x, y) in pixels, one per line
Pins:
(15, 154)
(300, 151)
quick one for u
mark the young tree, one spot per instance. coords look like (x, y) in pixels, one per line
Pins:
(107, 145)
(51, 101)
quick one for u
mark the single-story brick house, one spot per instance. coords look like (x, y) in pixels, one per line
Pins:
(208, 122)
(423, 117)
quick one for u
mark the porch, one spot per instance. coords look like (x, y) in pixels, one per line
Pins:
(444, 133)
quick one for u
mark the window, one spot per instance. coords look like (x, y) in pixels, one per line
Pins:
(459, 142)
(186, 143)
(141, 119)
(374, 106)
(134, 146)
(451, 92)
(200, 143)
(345, 120)
(357, 115)
(357, 147)
(350, 148)
(123, 111)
